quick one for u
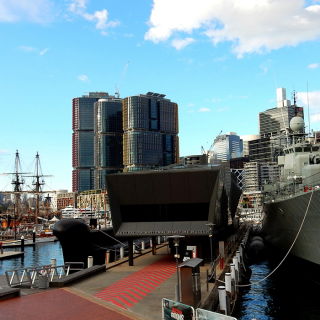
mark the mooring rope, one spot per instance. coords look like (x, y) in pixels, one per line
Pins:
(112, 237)
(294, 241)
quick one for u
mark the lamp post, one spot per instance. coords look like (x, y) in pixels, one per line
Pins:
(211, 225)
(176, 240)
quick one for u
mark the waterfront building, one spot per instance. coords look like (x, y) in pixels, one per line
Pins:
(83, 140)
(65, 199)
(227, 146)
(83, 137)
(97, 200)
(245, 140)
(201, 159)
(108, 139)
(54, 198)
(150, 124)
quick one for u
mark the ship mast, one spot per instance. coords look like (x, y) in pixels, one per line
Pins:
(38, 185)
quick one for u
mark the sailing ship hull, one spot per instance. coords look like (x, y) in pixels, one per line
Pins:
(283, 219)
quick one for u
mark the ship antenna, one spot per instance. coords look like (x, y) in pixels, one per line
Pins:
(308, 108)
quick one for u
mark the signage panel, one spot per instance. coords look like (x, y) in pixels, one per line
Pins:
(209, 315)
(172, 310)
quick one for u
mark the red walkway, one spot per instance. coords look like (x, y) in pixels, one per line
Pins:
(128, 291)
(56, 304)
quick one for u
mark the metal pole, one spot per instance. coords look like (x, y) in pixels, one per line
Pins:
(211, 254)
(178, 284)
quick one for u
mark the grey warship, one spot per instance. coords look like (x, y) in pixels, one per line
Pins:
(291, 218)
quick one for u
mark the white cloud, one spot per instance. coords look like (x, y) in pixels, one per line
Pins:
(44, 51)
(79, 7)
(190, 111)
(204, 110)
(27, 49)
(313, 100)
(313, 66)
(251, 25)
(38, 11)
(223, 109)
(83, 78)
(181, 43)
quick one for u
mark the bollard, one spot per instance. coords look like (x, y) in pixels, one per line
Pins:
(121, 252)
(150, 243)
(236, 263)
(142, 245)
(238, 256)
(53, 264)
(107, 257)
(134, 248)
(227, 280)
(22, 243)
(233, 277)
(222, 299)
(90, 261)
(159, 240)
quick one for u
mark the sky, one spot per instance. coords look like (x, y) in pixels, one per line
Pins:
(219, 60)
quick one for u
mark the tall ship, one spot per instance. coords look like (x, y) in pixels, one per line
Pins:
(291, 217)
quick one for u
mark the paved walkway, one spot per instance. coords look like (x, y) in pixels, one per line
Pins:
(59, 304)
(122, 292)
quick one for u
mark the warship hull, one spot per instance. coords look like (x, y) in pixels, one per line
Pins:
(283, 219)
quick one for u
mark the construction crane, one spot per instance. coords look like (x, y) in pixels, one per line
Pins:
(117, 93)
(211, 147)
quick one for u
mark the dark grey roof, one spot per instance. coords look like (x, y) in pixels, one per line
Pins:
(191, 263)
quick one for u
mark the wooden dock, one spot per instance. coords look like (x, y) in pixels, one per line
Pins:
(11, 254)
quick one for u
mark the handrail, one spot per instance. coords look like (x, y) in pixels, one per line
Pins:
(29, 275)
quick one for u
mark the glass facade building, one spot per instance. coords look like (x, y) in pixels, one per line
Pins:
(108, 139)
(227, 146)
(150, 124)
(83, 140)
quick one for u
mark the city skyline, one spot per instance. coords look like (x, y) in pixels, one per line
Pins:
(221, 69)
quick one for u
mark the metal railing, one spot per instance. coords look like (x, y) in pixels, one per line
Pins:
(30, 275)
(81, 266)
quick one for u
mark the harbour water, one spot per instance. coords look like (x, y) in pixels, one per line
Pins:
(291, 292)
(40, 254)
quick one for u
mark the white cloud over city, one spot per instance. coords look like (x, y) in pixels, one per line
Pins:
(311, 99)
(15, 10)
(100, 18)
(83, 78)
(251, 25)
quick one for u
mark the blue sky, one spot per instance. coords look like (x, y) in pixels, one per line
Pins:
(220, 60)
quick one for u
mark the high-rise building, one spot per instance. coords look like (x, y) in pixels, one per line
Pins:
(83, 140)
(108, 139)
(276, 120)
(227, 146)
(150, 124)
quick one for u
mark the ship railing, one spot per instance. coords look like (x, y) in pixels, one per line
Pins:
(30, 275)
